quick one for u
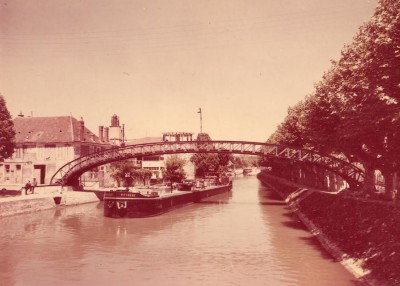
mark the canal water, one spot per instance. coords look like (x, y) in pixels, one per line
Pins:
(247, 237)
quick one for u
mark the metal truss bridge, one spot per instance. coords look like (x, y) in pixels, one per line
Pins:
(68, 175)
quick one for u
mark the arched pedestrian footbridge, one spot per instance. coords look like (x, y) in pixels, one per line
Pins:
(68, 175)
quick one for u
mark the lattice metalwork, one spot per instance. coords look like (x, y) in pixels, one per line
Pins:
(70, 172)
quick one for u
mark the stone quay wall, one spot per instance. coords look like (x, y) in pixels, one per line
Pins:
(16, 205)
(46, 197)
(362, 234)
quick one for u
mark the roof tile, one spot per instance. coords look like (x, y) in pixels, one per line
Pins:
(60, 129)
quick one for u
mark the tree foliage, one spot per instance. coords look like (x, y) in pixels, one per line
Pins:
(126, 175)
(354, 110)
(174, 171)
(7, 132)
(142, 175)
(209, 162)
(122, 173)
(289, 132)
(205, 163)
(243, 161)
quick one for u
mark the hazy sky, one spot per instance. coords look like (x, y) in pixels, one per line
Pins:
(154, 63)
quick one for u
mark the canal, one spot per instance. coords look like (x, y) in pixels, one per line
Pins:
(247, 237)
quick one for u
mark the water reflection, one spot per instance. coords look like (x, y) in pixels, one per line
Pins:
(297, 251)
(246, 237)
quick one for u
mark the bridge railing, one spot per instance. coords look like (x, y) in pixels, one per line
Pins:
(82, 164)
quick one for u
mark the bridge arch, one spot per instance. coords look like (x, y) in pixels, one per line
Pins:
(68, 175)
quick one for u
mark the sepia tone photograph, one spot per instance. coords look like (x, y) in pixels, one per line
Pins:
(173, 142)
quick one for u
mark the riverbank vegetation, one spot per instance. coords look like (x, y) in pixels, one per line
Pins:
(364, 230)
(354, 111)
(245, 161)
(7, 132)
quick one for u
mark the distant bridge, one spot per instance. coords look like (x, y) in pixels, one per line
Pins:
(68, 175)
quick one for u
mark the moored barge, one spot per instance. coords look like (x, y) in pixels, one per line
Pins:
(136, 205)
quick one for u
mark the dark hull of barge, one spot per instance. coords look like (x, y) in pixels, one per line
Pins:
(135, 205)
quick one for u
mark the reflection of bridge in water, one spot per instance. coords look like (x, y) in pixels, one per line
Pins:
(68, 175)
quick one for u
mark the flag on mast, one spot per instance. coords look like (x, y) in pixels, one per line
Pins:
(201, 120)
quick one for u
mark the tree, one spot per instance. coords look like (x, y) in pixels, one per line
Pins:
(205, 163)
(123, 172)
(142, 175)
(203, 137)
(354, 110)
(7, 132)
(243, 161)
(365, 89)
(209, 162)
(174, 171)
(289, 132)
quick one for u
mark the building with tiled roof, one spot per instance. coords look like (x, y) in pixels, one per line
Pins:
(44, 144)
(52, 130)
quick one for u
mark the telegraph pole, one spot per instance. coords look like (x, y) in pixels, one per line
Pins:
(201, 120)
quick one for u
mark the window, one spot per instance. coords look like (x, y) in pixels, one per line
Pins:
(152, 158)
(151, 168)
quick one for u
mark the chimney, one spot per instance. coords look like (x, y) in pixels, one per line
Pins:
(106, 139)
(82, 130)
(101, 133)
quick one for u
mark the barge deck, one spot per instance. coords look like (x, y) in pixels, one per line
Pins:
(136, 205)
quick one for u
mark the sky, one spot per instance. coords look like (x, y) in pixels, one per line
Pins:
(155, 63)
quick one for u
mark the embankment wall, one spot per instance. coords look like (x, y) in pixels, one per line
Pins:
(362, 234)
(44, 198)
(13, 206)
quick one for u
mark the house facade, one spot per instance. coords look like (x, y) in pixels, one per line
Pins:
(157, 164)
(44, 144)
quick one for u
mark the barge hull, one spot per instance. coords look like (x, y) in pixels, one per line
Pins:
(128, 205)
